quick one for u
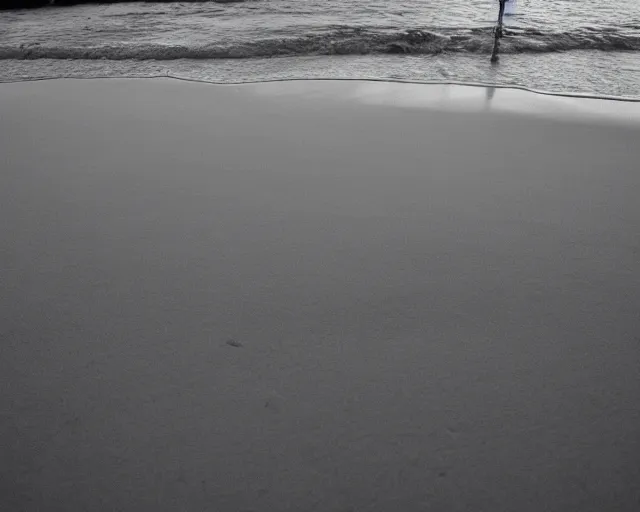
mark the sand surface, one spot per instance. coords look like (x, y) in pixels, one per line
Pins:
(317, 297)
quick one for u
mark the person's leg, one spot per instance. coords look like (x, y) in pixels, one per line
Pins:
(498, 32)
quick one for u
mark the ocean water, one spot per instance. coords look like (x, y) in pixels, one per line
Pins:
(583, 46)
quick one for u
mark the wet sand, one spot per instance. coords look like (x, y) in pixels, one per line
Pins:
(317, 296)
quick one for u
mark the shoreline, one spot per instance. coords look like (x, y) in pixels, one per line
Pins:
(484, 85)
(464, 69)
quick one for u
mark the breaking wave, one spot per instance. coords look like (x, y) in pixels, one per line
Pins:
(347, 41)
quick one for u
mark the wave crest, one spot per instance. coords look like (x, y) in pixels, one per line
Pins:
(346, 41)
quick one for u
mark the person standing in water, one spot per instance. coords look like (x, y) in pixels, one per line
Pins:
(498, 32)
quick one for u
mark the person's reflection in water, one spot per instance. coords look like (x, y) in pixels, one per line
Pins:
(491, 91)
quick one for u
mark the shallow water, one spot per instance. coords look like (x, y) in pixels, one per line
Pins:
(585, 46)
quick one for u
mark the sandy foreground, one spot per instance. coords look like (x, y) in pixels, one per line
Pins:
(317, 296)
